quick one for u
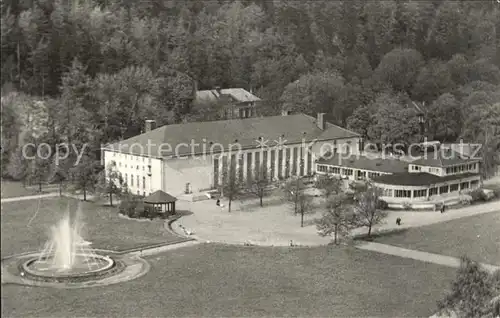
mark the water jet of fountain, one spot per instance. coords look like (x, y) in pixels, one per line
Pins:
(66, 247)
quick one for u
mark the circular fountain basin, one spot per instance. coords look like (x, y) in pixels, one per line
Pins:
(85, 267)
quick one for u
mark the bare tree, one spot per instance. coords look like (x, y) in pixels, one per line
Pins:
(111, 182)
(232, 185)
(367, 208)
(259, 184)
(337, 218)
(304, 205)
(292, 190)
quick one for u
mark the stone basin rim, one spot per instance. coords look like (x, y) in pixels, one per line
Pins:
(110, 263)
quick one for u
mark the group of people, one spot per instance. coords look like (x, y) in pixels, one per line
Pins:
(442, 209)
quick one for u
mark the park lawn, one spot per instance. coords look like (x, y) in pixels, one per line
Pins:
(476, 236)
(103, 226)
(12, 189)
(212, 280)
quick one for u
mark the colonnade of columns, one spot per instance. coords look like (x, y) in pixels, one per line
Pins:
(275, 163)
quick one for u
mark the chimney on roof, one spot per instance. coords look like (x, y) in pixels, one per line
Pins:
(321, 121)
(150, 125)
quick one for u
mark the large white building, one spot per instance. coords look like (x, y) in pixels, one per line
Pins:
(193, 156)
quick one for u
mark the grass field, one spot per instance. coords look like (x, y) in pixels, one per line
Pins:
(12, 189)
(476, 236)
(210, 280)
(103, 226)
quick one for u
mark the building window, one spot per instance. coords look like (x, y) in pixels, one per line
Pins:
(138, 193)
(273, 162)
(126, 178)
(280, 163)
(309, 162)
(257, 161)
(138, 183)
(464, 185)
(387, 192)
(403, 194)
(448, 170)
(334, 170)
(443, 189)
(433, 191)
(287, 162)
(419, 193)
(137, 168)
(294, 160)
(474, 184)
(131, 180)
(453, 187)
(322, 168)
(144, 193)
(144, 182)
(264, 165)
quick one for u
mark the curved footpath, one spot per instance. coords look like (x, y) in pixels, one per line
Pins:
(275, 226)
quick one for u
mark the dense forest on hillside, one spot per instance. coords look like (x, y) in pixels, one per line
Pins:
(93, 70)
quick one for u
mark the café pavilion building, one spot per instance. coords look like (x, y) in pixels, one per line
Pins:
(437, 177)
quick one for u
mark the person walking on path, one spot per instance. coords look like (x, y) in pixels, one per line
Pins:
(398, 221)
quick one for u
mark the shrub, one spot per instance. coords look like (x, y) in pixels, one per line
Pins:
(131, 206)
(472, 291)
(382, 205)
(477, 195)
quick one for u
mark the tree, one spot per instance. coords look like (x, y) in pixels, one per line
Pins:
(292, 190)
(259, 183)
(367, 208)
(85, 174)
(482, 126)
(399, 68)
(39, 169)
(110, 183)
(304, 206)
(17, 167)
(329, 185)
(444, 118)
(59, 176)
(316, 93)
(294, 193)
(337, 218)
(472, 292)
(232, 185)
(395, 121)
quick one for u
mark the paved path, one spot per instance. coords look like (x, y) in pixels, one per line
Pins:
(30, 197)
(418, 255)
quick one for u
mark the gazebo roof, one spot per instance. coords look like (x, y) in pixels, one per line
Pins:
(159, 197)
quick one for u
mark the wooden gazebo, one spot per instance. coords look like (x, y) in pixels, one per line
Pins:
(161, 202)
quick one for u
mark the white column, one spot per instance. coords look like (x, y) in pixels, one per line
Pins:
(306, 161)
(268, 164)
(221, 167)
(245, 165)
(276, 153)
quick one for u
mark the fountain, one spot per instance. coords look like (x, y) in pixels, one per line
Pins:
(69, 261)
(67, 255)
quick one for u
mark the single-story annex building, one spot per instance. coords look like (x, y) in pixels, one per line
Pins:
(438, 176)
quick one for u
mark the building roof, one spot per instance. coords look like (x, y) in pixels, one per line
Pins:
(159, 197)
(196, 137)
(443, 157)
(371, 163)
(418, 179)
(238, 94)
